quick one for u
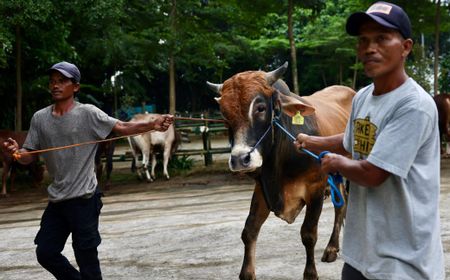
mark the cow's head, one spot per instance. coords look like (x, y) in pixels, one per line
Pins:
(248, 101)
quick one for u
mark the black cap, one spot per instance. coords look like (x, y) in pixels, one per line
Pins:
(69, 70)
(387, 14)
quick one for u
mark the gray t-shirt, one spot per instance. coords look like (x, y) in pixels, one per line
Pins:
(72, 170)
(393, 231)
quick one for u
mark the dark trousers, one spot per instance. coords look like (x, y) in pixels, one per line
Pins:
(80, 217)
(350, 273)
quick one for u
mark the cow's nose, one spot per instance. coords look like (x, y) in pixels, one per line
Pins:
(240, 161)
(245, 159)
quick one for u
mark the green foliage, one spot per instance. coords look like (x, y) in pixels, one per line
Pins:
(325, 48)
(444, 77)
(25, 13)
(181, 163)
(418, 66)
(211, 41)
(5, 47)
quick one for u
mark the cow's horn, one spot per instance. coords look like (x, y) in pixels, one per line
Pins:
(215, 87)
(273, 76)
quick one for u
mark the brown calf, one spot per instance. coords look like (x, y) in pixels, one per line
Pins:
(106, 150)
(443, 105)
(35, 169)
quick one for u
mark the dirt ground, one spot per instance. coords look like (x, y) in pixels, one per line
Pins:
(186, 228)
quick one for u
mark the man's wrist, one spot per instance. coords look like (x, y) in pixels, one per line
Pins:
(151, 125)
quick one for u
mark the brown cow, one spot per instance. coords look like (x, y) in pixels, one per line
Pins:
(443, 105)
(35, 169)
(105, 149)
(286, 179)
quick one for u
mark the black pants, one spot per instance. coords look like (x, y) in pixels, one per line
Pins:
(350, 273)
(80, 217)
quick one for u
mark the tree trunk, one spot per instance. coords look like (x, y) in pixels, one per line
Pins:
(292, 47)
(172, 92)
(18, 119)
(436, 47)
(172, 95)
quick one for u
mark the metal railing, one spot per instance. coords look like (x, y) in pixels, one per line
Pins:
(205, 130)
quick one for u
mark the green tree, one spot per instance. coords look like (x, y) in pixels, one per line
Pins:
(20, 16)
(444, 76)
(315, 6)
(208, 40)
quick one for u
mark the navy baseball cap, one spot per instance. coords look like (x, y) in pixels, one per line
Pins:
(69, 70)
(386, 14)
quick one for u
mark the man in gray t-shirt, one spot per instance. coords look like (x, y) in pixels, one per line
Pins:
(74, 200)
(392, 226)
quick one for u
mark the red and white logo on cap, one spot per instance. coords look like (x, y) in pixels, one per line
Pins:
(380, 8)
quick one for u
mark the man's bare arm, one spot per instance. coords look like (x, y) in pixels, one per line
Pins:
(160, 123)
(318, 144)
(361, 172)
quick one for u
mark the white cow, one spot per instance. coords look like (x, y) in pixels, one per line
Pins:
(146, 143)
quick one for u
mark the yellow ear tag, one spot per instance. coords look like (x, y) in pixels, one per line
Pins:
(298, 119)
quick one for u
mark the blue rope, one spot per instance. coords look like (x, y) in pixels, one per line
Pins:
(277, 123)
(260, 139)
(332, 180)
(265, 133)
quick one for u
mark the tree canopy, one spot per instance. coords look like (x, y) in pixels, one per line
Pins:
(137, 42)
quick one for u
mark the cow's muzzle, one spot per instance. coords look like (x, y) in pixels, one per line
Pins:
(240, 161)
(245, 161)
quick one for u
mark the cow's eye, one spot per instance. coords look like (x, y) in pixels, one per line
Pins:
(261, 108)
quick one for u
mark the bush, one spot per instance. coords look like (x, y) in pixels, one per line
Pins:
(181, 163)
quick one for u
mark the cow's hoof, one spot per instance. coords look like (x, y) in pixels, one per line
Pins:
(330, 255)
(4, 195)
(247, 275)
(310, 275)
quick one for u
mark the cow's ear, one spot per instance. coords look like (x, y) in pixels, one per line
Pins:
(292, 105)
